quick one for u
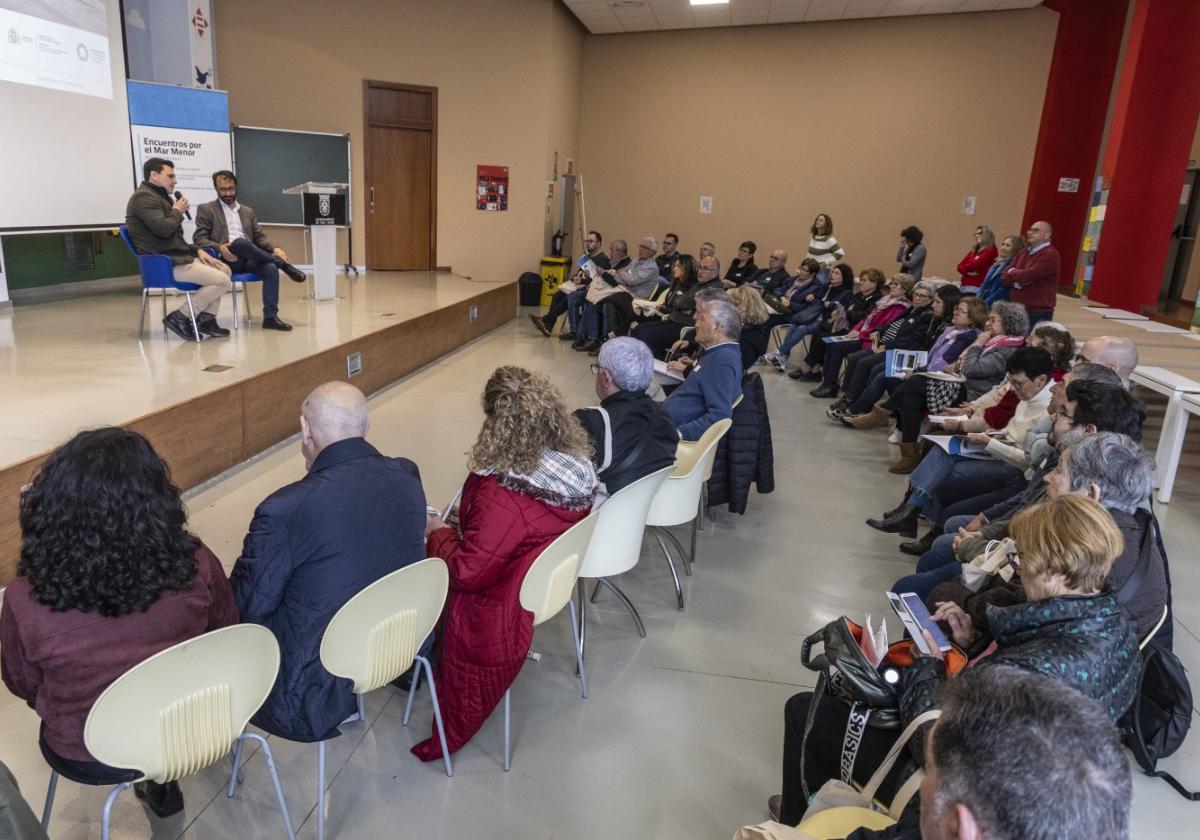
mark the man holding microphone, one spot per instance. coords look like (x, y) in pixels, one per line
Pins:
(155, 222)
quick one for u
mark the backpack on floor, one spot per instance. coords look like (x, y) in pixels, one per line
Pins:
(1161, 714)
(1156, 724)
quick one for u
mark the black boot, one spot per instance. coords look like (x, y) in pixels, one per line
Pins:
(898, 509)
(164, 800)
(922, 545)
(827, 389)
(206, 322)
(904, 523)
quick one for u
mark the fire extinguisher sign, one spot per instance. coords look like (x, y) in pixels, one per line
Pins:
(491, 187)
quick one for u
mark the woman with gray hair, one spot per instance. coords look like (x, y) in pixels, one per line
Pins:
(1115, 471)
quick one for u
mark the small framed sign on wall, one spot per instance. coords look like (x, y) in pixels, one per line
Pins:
(491, 187)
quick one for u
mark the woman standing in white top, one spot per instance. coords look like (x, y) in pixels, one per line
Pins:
(823, 247)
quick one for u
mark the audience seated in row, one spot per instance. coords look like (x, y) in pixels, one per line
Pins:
(1069, 629)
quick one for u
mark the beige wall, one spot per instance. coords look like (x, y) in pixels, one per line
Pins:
(507, 73)
(880, 123)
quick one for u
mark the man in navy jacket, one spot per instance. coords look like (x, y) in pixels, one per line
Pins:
(314, 544)
(715, 383)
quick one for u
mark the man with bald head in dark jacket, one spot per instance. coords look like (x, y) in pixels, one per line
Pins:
(315, 544)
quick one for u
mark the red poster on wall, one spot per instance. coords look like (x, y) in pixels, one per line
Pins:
(491, 187)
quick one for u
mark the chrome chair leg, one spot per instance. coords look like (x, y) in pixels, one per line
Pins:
(670, 565)
(578, 649)
(507, 733)
(437, 713)
(624, 599)
(235, 775)
(283, 811)
(320, 790)
(412, 691)
(233, 294)
(106, 816)
(581, 589)
(687, 562)
(192, 313)
(142, 317)
(246, 303)
(49, 798)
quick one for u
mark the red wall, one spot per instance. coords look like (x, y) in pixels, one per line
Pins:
(1153, 124)
(1077, 93)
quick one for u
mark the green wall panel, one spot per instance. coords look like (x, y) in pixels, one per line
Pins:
(40, 259)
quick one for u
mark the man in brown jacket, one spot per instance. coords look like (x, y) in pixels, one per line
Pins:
(155, 221)
(232, 229)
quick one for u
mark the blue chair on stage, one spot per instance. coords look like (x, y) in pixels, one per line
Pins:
(158, 272)
(243, 278)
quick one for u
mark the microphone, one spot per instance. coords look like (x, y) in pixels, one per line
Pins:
(179, 195)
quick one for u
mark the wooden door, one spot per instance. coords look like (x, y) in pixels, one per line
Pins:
(401, 176)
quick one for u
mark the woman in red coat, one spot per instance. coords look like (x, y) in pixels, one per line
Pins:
(973, 267)
(531, 479)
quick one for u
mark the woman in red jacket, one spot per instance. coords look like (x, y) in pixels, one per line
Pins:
(109, 576)
(531, 479)
(973, 267)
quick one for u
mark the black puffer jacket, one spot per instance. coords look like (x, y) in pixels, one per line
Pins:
(745, 455)
(1082, 641)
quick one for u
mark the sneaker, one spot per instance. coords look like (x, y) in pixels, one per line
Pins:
(779, 361)
(895, 437)
(540, 324)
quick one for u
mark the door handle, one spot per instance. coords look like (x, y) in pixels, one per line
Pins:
(372, 199)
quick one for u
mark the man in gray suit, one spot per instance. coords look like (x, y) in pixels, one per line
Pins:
(232, 229)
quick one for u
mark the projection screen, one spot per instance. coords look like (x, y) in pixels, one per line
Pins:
(65, 157)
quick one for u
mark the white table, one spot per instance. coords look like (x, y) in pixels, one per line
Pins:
(1178, 390)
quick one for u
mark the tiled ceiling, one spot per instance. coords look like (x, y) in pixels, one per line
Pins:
(605, 16)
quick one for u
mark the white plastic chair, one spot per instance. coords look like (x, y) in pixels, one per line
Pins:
(678, 500)
(547, 589)
(377, 635)
(179, 711)
(616, 544)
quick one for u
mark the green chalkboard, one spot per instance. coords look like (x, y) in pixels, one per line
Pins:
(268, 160)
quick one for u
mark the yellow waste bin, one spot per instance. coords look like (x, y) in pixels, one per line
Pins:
(554, 272)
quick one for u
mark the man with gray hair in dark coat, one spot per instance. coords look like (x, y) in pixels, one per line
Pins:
(631, 434)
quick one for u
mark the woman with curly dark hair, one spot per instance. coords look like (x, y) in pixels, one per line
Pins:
(531, 479)
(108, 577)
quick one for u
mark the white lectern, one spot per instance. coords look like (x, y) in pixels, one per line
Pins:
(324, 211)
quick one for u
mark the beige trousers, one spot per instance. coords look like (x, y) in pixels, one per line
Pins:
(215, 282)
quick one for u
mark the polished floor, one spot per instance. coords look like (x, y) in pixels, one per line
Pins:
(681, 736)
(77, 362)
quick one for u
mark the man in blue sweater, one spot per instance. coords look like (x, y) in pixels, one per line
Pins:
(715, 383)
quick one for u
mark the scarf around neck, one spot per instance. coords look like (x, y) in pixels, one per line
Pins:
(559, 480)
(1003, 341)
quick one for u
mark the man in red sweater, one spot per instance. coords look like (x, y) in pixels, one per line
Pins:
(1033, 275)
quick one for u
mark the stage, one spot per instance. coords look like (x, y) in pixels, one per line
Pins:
(77, 363)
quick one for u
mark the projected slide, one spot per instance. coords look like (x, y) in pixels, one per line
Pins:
(56, 44)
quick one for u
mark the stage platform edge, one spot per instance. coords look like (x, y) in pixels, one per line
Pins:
(204, 436)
